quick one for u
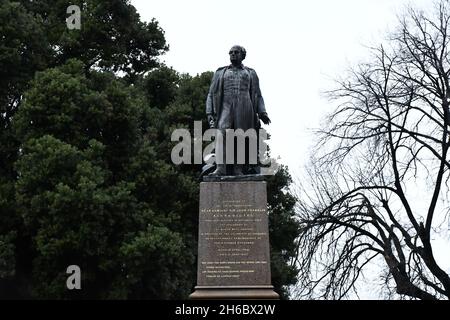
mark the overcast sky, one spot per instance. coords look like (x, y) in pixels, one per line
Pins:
(296, 46)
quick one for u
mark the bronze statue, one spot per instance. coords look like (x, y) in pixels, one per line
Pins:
(234, 102)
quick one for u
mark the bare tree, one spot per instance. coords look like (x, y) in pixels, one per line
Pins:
(388, 136)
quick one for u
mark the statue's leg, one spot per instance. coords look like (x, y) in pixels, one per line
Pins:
(244, 119)
(239, 152)
(221, 167)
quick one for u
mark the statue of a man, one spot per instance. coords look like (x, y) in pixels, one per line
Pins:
(234, 102)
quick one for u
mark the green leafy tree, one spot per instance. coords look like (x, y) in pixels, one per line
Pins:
(86, 191)
(21, 53)
(112, 36)
(284, 229)
(34, 36)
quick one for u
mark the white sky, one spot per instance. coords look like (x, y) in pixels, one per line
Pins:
(297, 47)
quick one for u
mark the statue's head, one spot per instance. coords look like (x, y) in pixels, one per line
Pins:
(237, 54)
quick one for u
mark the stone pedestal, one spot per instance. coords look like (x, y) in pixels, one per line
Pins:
(233, 243)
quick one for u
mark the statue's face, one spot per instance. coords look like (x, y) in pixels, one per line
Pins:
(236, 55)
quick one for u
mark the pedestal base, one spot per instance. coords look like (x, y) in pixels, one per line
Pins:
(234, 293)
(233, 241)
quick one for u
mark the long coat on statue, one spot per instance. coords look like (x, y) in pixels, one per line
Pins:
(234, 98)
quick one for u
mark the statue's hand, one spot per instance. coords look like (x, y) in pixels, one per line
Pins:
(264, 118)
(211, 121)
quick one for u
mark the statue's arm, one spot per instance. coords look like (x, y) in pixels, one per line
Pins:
(210, 108)
(209, 105)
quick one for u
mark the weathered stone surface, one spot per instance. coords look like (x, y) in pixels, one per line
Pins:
(245, 177)
(233, 256)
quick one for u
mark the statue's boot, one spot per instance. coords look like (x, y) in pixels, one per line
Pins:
(220, 171)
(237, 170)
